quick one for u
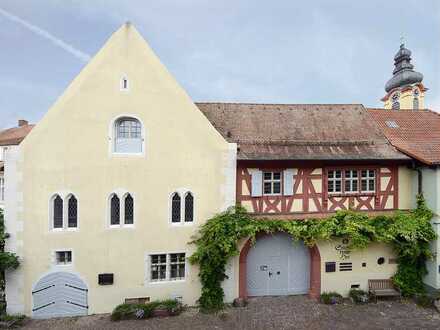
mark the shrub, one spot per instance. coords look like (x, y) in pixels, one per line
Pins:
(13, 320)
(144, 311)
(409, 233)
(331, 298)
(359, 296)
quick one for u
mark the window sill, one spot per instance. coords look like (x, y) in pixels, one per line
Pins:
(165, 282)
(182, 224)
(121, 227)
(128, 154)
(63, 230)
(352, 194)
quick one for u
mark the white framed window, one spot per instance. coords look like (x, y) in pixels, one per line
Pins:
(124, 84)
(158, 266)
(2, 188)
(127, 136)
(63, 257)
(334, 181)
(63, 212)
(177, 266)
(182, 207)
(167, 267)
(271, 183)
(368, 180)
(351, 183)
(121, 209)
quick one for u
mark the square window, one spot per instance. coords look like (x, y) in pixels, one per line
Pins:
(158, 267)
(272, 183)
(63, 257)
(177, 266)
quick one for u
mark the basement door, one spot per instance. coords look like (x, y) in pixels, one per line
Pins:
(278, 265)
(59, 294)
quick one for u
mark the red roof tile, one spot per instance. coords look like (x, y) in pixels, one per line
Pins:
(414, 132)
(14, 136)
(301, 131)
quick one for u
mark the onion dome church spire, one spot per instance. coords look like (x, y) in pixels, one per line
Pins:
(405, 89)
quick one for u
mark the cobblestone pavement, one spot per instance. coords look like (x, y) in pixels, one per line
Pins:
(293, 312)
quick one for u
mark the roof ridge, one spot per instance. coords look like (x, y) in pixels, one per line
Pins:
(304, 104)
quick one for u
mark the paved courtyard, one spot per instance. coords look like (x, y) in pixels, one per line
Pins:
(294, 312)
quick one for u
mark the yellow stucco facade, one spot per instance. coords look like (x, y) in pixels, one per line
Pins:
(70, 151)
(405, 98)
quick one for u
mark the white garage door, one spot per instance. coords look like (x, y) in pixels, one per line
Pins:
(59, 294)
(278, 265)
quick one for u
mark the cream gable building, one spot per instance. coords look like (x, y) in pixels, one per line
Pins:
(107, 190)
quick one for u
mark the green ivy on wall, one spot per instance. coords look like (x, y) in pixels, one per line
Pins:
(408, 232)
(8, 260)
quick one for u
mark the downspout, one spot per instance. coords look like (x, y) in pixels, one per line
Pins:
(419, 177)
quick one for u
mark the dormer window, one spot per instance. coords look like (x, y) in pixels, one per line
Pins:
(124, 84)
(128, 136)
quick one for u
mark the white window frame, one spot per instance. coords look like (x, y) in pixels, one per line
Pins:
(112, 137)
(167, 280)
(368, 178)
(183, 192)
(272, 181)
(121, 194)
(55, 260)
(65, 196)
(351, 179)
(334, 179)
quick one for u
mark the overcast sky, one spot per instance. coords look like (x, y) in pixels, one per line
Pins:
(279, 51)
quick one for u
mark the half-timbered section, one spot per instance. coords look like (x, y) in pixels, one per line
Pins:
(264, 190)
(309, 159)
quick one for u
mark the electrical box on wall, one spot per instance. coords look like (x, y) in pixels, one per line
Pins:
(105, 279)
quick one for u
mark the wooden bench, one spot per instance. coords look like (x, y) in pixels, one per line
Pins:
(383, 288)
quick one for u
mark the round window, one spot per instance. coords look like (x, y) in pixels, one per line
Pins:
(381, 261)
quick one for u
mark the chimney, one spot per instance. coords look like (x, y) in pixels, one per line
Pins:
(22, 122)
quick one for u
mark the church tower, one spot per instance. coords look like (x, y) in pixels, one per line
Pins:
(405, 89)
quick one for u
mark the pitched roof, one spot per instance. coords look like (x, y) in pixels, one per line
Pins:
(414, 132)
(14, 136)
(298, 131)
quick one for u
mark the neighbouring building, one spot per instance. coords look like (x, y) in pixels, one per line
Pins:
(10, 138)
(417, 134)
(105, 193)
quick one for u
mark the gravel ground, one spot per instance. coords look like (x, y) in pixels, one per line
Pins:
(294, 312)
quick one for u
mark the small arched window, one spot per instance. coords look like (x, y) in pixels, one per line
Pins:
(128, 210)
(396, 103)
(128, 135)
(72, 212)
(57, 212)
(189, 207)
(416, 103)
(115, 211)
(175, 208)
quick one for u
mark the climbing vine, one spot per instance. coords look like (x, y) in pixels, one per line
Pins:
(408, 232)
(8, 260)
